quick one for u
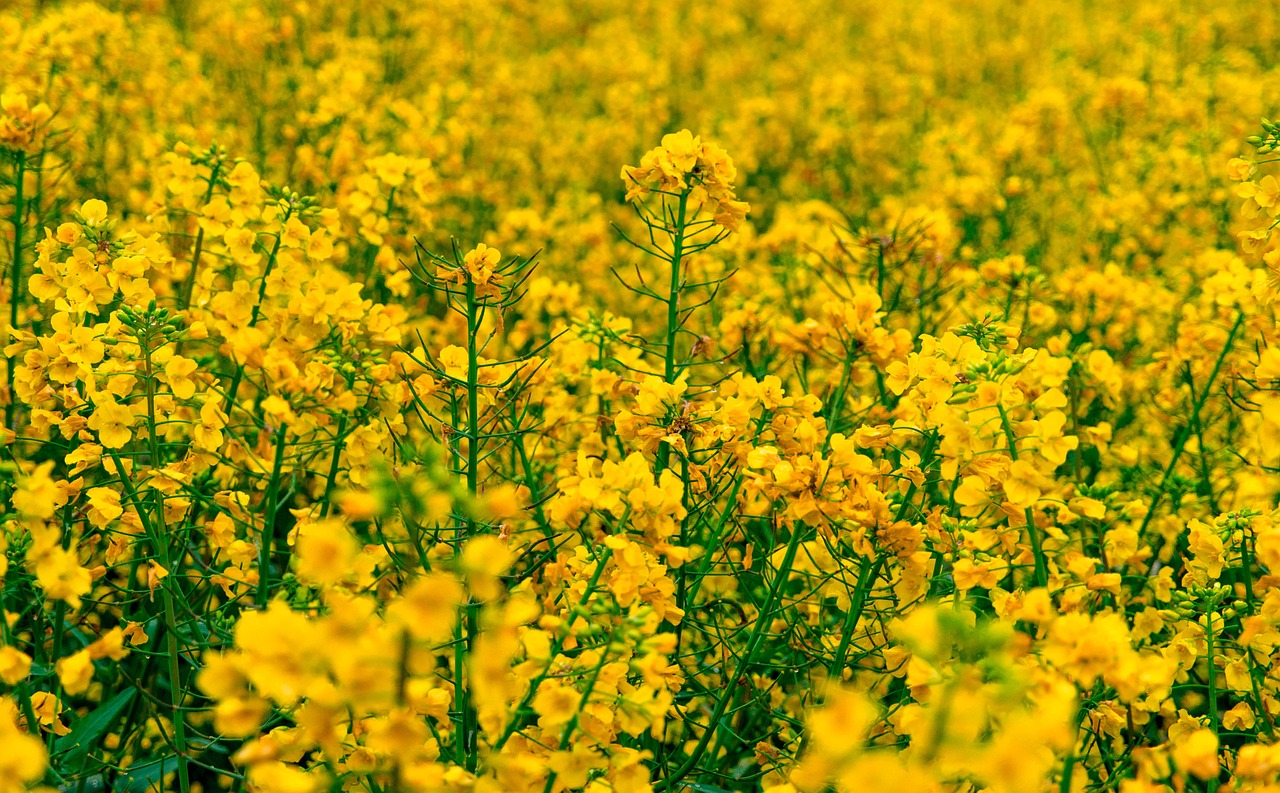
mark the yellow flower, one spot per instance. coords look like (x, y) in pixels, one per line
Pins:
(48, 709)
(156, 574)
(84, 346)
(1197, 754)
(207, 433)
(1265, 193)
(104, 506)
(295, 234)
(1022, 485)
(1239, 170)
(15, 665)
(480, 264)
(572, 767)
(240, 242)
(325, 553)
(94, 211)
(401, 733)
(61, 576)
(454, 361)
(359, 504)
(840, 725)
(484, 559)
(113, 423)
(24, 759)
(38, 496)
(240, 717)
(427, 607)
(278, 408)
(110, 645)
(75, 671)
(277, 777)
(972, 495)
(177, 371)
(1208, 551)
(555, 704)
(684, 162)
(968, 574)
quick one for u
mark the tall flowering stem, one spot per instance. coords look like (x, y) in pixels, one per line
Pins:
(683, 192)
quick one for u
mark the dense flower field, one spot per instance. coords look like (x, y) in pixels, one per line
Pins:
(630, 396)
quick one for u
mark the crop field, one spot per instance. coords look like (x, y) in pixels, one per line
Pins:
(640, 396)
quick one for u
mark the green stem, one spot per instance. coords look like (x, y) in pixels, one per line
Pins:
(1212, 683)
(166, 596)
(1184, 435)
(473, 399)
(269, 522)
(673, 315)
(836, 406)
(175, 685)
(334, 466)
(1069, 762)
(753, 647)
(605, 554)
(161, 540)
(1042, 566)
(253, 320)
(15, 281)
(573, 722)
(188, 284)
(1246, 558)
(465, 740)
(867, 572)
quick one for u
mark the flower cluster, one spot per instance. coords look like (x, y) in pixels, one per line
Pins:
(684, 164)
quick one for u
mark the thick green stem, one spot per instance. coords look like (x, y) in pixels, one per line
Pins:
(573, 722)
(473, 399)
(334, 466)
(269, 522)
(15, 281)
(868, 571)
(1069, 762)
(175, 684)
(161, 540)
(466, 738)
(673, 315)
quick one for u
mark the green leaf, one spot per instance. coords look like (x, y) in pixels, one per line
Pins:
(145, 777)
(73, 748)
